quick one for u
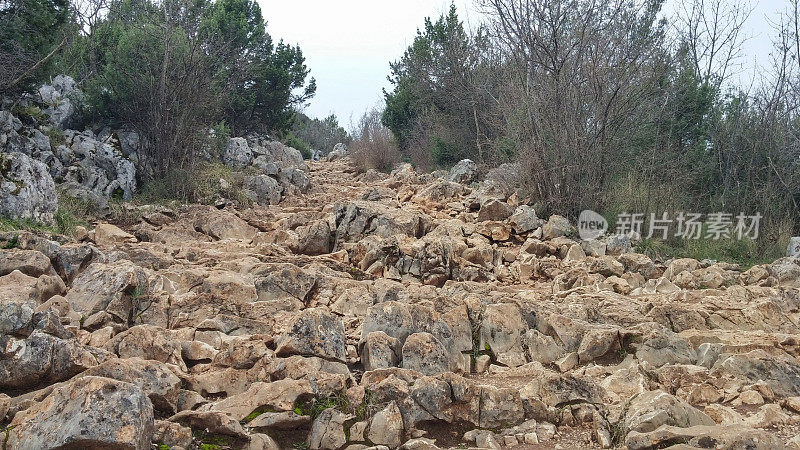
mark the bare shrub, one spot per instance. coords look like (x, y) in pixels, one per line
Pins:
(373, 145)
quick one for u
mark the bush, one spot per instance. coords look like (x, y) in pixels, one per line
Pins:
(373, 146)
(72, 212)
(745, 252)
(444, 154)
(220, 135)
(203, 183)
(322, 134)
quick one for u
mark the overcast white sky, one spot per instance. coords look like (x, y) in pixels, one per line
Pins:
(348, 44)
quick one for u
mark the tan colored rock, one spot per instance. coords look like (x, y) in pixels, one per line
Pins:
(106, 234)
(89, 412)
(30, 262)
(386, 427)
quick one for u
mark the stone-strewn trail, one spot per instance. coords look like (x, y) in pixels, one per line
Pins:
(400, 311)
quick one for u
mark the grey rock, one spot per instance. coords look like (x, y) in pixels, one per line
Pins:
(154, 378)
(386, 427)
(524, 219)
(119, 290)
(618, 244)
(557, 226)
(42, 358)
(494, 209)
(327, 431)
(314, 238)
(781, 375)
(339, 151)
(286, 420)
(100, 167)
(708, 353)
(465, 172)
(380, 351)
(237, 153)
(426, 354)
(90, 412)
(63, 98)
(262, 189)
(666, 348)
(652, 409)
(30, 262)
(794, 246)
(541, 348)
(701, 436)
(27, 190)
(314, 332)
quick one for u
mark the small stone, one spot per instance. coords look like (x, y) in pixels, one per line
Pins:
(751, 398)
(568, 362)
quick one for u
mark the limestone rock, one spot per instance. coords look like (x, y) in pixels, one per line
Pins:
(90, 412)
(380, 351)
(327, 431)
(314, 332)
(386, 427)
(424, 353)
(465, 172)
(652, 409)
(27, 190)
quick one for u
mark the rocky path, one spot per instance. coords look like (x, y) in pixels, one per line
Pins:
(388, 311)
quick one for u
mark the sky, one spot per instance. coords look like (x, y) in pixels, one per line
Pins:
(348, 44)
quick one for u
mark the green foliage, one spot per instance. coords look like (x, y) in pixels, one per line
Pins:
(29, 31)
(32, 112)
(299, 144)
(12, 242)
(56, 137)
(202, 183)
(163, 447)
(746, 253)
(400, 114)
(220, 135)
(445, 154)
(209, 441)
(321, 134)
(433, 108)
(71, 212)
(173, 70)
(316, 406)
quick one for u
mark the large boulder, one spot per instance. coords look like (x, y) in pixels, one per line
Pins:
(62, 98)
(155, 379)
(327, 431)
(90, 412)
(314, 332)
(794, 247)
(283, 156)
(237, 153)
(41, 359)
(465, 172)
(652, 409)
(27, 190)
(262, 189)
(425, 354)
(116, 292)
(557, 226)
(96, 166)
